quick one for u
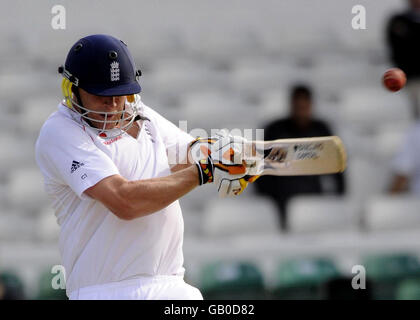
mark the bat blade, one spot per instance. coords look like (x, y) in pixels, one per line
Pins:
(302, 156)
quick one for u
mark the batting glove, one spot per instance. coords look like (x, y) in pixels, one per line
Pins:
(220, 160)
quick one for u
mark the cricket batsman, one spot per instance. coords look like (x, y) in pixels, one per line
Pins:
(109, 170)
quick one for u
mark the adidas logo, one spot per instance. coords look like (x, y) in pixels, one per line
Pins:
(76, 165)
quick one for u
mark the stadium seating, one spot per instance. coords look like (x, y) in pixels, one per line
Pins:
(180, 76)
(330, 70)
(303, 278)
(321, 214)
(388, 270)
(34, 113)
(29, 254)
(47, 228)
(256, 75)
(366, 178)
(239, 216)
(17, 152)
(26, 190)
(14, 84)
(46, 290)
(239, 43)
(212, 109)
(392, 213)
(16, 226)
(12, 285)
(370, 107)
(357, 143)
(196, 201)
(274, 104)
(409, 290)
(232, 280)
(389, 139)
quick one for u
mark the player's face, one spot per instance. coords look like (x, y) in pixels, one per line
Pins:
(103, 104)
(302, 110)
(415, 4)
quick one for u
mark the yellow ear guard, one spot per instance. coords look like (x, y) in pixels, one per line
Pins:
(66, 90)
(131, 98)
(244, 182)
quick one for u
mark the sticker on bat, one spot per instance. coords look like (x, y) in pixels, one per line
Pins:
(275, 154)
(307, 151)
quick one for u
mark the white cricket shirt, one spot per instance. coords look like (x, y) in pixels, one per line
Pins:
(96, 246)
(407, 159)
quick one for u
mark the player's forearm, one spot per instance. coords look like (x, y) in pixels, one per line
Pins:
(179, 167)
(147, 196)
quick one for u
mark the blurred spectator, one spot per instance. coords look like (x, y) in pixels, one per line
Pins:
(11, 287)
(299, 124)
(2, 291)
(403, 35)
(406, 164)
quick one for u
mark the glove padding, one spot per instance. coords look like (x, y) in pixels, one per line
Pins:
(222, 155)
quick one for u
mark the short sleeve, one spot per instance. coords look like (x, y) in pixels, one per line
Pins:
(67, 155)
(176, 140)
(406, 159)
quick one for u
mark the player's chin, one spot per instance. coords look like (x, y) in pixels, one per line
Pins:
(109, 125)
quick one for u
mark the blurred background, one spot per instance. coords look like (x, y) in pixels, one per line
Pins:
(293, 67)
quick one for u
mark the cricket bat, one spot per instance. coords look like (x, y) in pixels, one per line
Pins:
(302, 156)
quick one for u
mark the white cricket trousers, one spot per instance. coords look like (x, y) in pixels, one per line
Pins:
(140, 288)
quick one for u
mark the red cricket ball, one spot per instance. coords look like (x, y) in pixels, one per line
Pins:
(394, 79)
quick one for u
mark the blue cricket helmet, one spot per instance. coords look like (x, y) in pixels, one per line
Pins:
(102, 65)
